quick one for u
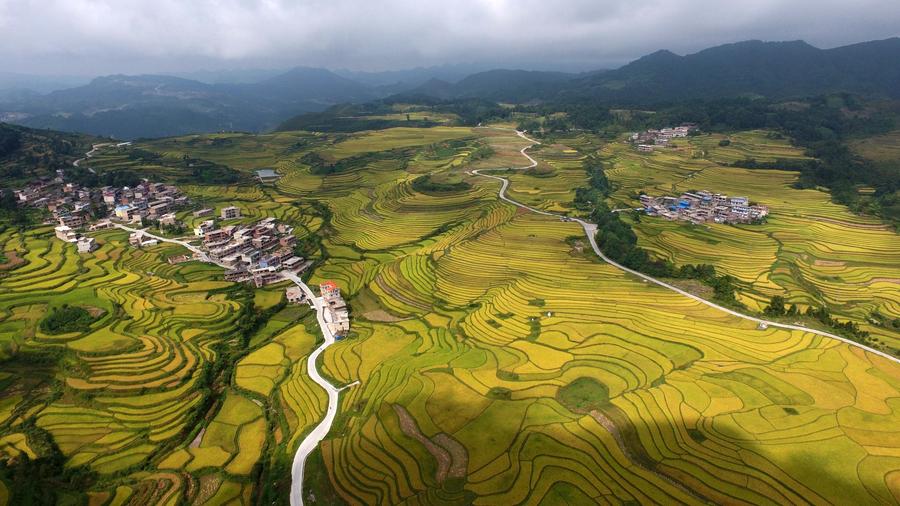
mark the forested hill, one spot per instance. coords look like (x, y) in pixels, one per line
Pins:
(26, 152)
(752, 68)
(770, 69)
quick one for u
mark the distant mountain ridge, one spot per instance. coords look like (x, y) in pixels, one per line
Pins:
(500, 85)
(159, 105)
(771, 69)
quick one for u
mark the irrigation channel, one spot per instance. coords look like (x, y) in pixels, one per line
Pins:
(590, 230)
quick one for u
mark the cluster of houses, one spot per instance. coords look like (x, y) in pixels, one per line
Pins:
(651, 139)
(73, 206)
(704, 206)
(84, 243)
(254, 253)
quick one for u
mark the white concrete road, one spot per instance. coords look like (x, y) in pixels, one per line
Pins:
(312, 440)
(590, 230)
(203, 257)
(90, 153)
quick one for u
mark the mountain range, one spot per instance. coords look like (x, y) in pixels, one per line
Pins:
(160, 105)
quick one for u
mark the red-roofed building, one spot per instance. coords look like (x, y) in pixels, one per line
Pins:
(329, 290)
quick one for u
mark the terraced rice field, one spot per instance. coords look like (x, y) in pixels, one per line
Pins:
(499, 363)
(134, 389)
(483, 342)
(810, 250)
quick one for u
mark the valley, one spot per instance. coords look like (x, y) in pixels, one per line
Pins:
(495, 357)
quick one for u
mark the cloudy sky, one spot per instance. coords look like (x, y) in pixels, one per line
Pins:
(104, 36)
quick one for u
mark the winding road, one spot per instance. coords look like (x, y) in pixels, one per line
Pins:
(590, 230)
(312, 440)
(202, 256)
(89, 154)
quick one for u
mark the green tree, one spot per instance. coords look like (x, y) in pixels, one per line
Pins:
(776, 306)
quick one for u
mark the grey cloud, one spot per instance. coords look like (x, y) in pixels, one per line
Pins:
(103, 36)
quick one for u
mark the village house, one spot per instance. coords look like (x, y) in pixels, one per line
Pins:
(64, 233)
(169, 220)
(86, 244)
(337, 315)
(204, 228)
(230, 213)
(294, 294)
(141, 240)
(267, 176)
(100, 225)
(72, 220)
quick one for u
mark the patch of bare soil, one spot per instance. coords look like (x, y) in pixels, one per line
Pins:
(457, 452)
(409, 427)
(196, 442)
(95, 312)
(208, 485)
(13, 260)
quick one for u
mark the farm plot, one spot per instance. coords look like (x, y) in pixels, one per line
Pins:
(810, 250)
(482, 369)
(132, 383)
(498, 362)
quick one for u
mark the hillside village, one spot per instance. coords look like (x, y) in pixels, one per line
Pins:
(704, 206)
(254, 253)
(72, 206)
(649, 140)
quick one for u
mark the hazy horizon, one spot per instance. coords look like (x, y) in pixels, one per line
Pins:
(99, 37)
